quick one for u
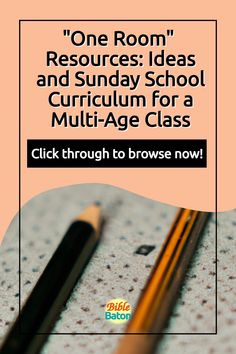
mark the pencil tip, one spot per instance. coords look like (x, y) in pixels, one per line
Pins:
(92, 215)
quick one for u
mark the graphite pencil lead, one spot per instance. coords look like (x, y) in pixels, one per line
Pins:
(92, 215)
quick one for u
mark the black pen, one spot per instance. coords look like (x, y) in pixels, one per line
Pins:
(54, 286)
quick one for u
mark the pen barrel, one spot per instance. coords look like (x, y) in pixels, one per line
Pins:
(136, 344)
(52, 290)
(154, 307)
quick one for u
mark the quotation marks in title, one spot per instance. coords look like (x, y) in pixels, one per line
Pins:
(66, 32)
(170, 33)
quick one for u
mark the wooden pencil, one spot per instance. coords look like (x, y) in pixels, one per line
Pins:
(159, 295)
(54, 286)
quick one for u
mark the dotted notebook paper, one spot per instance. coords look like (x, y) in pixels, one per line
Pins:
(134, 231)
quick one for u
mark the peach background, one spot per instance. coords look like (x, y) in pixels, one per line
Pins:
(170, 186)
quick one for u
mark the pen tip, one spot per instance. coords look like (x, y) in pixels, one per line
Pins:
(92, 215)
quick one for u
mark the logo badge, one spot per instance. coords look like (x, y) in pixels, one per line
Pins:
(117, 311)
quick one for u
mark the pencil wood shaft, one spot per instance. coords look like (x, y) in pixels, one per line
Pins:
(53, 287)
(159, 295)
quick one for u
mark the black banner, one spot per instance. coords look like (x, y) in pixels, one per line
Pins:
(122, 153)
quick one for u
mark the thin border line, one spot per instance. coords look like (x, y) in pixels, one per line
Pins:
(126, 334)
(216, 179)
(117, 20)
(19, 177)
(216, 168)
